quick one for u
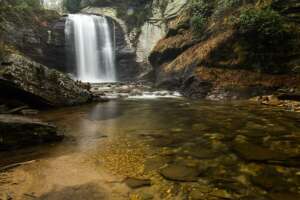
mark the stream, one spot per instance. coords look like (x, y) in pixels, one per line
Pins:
(161, 149)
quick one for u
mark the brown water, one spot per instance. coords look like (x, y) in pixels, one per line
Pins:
(188, 150)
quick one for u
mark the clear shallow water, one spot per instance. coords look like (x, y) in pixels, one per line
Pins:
(195, 150)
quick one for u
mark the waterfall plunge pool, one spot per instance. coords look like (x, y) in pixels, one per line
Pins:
(185, 149)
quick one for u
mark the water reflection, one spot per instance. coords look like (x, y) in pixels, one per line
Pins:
(105, 111)
(231, 144)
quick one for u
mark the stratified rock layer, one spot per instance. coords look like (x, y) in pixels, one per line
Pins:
(37, 85)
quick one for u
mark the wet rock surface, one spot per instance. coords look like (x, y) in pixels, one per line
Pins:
(35, 84)
(18, 131)
(123, 90)
(285, 101)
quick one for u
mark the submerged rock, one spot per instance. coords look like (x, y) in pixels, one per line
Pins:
(17, 131)
(35, 84)
(177, 172)
(137, 183)
(253, 152)
(257, 153)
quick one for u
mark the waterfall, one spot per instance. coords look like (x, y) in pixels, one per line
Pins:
(93, 47)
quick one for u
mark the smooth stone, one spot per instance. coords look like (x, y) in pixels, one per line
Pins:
(137, 183)
(253, 152)
(176, 172)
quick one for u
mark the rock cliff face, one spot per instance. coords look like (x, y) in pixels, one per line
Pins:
(36, 33)
(138, 26)
(34, 84)
(214, 66)
(156, 26)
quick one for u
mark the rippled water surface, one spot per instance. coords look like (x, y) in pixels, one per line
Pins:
(188, 150)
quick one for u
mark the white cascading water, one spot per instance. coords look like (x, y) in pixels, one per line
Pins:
(94, 51)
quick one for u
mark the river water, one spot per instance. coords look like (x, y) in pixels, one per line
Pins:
(186, 149)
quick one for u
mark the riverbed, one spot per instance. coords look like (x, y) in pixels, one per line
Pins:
(161, 149)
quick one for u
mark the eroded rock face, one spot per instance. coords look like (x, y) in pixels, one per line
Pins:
(38, 35)
(17, 131)
(155, 28)
(220, 68)
(24, 79)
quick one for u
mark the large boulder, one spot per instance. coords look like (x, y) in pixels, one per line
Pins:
(17, 131)
(36, 85)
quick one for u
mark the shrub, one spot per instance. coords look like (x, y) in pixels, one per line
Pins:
(265, 26)
(224, 5)
(200, 8)
(229, 3)
(197, 23)
(23, 4)
(265, 36)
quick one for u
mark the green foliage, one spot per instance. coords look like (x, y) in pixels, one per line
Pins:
(222, 6)
(265, 36)
(23, 4)
(229, 3)
(267, 23)
(198, 23)
(201, 8)
(72, 6)
(200, 11)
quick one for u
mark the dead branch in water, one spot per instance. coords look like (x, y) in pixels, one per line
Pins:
(11, 166)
